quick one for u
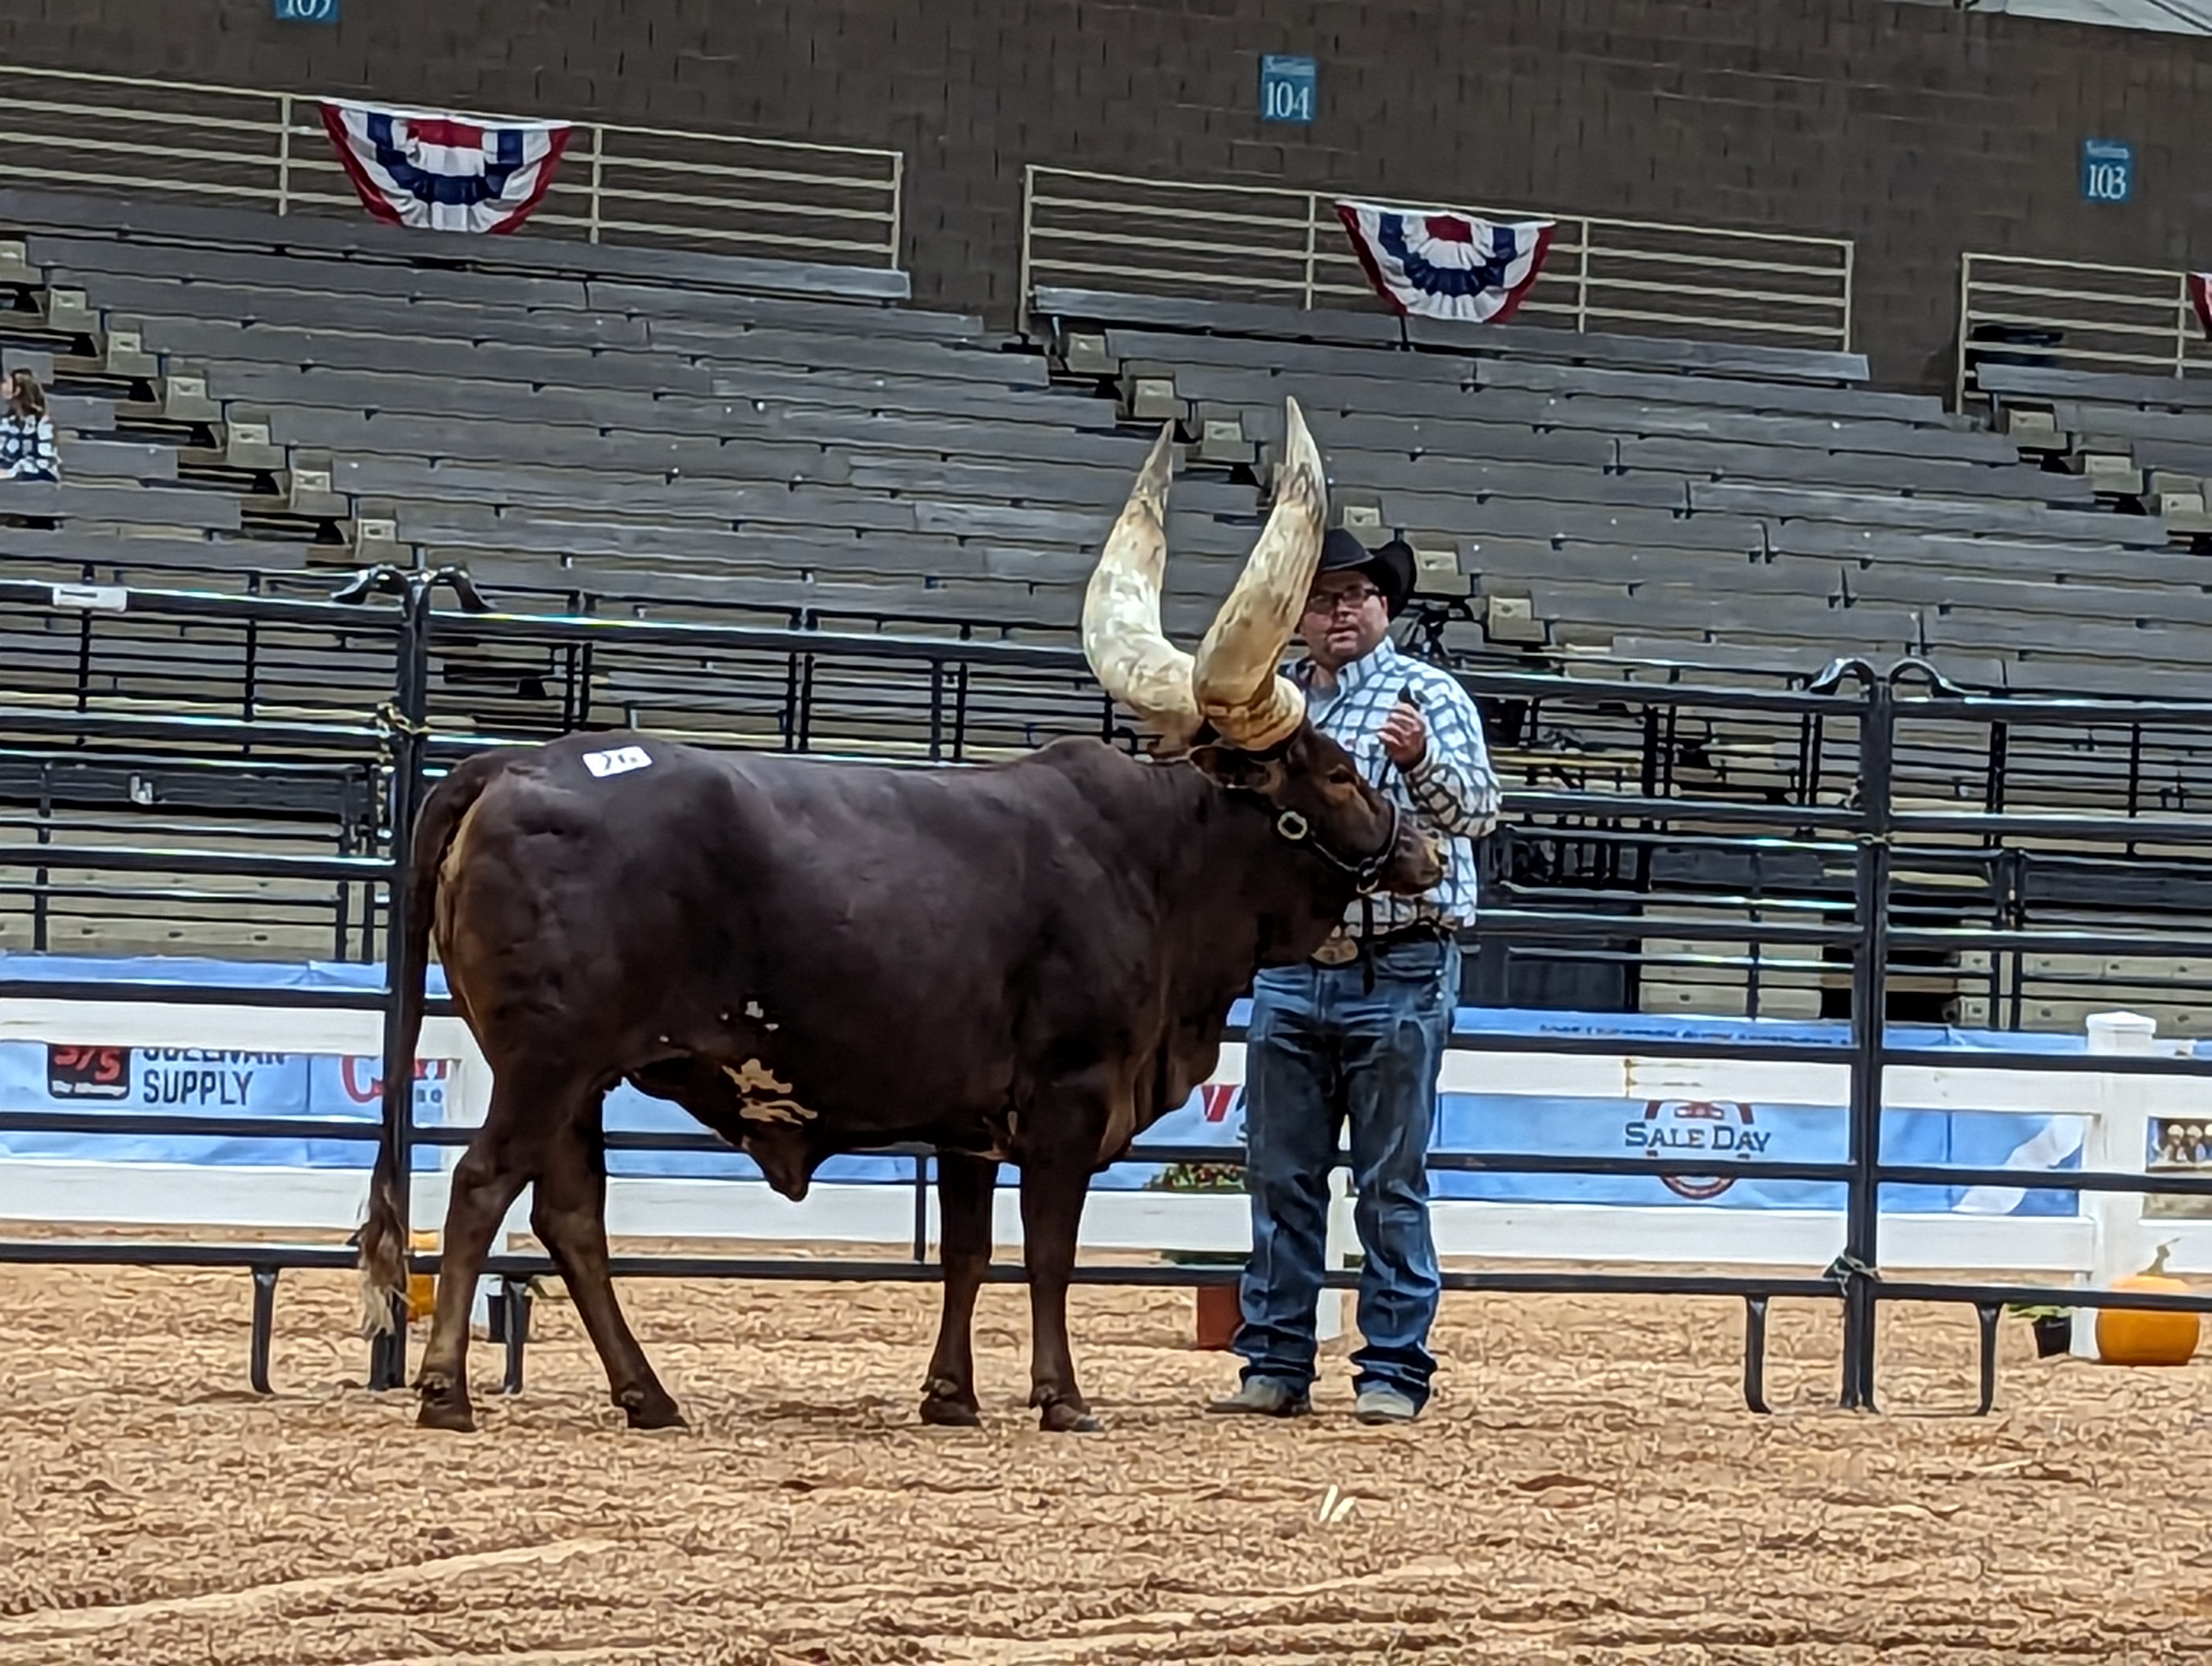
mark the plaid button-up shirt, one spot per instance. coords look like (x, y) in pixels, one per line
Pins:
(1452, 791)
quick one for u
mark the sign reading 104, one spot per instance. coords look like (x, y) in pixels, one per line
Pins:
(1286, 88)
(2108, 171)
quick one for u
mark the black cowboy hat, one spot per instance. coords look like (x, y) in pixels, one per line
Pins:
(1390, 565)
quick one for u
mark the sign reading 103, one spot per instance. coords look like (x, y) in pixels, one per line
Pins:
(2108, 171)
(1286, 89)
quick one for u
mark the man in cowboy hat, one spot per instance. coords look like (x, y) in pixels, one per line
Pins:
(1356, 1035)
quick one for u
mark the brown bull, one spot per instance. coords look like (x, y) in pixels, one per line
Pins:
(1026, 963)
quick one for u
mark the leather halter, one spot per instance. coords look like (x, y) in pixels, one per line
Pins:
(1367, 872)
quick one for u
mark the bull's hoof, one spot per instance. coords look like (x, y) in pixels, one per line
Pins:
(943, 1413)
(1061, 1419)
(446, 1410)
(651, 1411)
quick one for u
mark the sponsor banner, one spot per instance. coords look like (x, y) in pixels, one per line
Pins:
(1732, 1132)
(209, 1082)
(212, 1082)
(216, 1083)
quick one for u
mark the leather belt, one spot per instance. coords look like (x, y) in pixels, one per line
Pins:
(1342, 947)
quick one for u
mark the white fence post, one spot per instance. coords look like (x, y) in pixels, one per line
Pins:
(2116, 1141)
(1336, 1255)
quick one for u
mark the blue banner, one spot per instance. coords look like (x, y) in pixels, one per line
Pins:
(217, 1082)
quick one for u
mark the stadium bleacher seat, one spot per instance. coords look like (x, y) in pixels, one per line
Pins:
(250, 403)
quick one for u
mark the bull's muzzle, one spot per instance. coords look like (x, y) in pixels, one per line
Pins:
(1417, 861)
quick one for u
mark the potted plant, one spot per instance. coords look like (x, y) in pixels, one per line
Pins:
(2053, 1326)
(1217, 1311)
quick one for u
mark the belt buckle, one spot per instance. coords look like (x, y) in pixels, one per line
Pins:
(1339, 949)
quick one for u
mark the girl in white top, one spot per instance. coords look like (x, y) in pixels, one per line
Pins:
(27, 432)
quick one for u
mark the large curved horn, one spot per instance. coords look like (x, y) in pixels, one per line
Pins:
(1234, 675)
(1129, 653)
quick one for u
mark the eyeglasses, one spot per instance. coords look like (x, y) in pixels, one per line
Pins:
(1337, 601)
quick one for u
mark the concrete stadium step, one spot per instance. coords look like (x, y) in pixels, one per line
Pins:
(1903, 582)
(120, 504)
(1736, 653)
(616, 526)
(1171, 351)
(112, 550)
(953, 599)
(1780, 398)
(1071, 307)
(310, 237)
(1782, 465)
(840, 317)
(783, 441)
(739, 409)
(119, 257)
(1317, 394)
(1609, 609)
(1507, 565)
(649, 497)
(2033, 671)
(1930, 515)
(283, 289)
(1392, 428)
(1419, 466)
(1993, 557)
(2171, 642)
(2146, 393)
(184, 298)
(921, 360)
(476, 361)
(81, 413)
(1574, 523)
(580, 446)
(1500, 483)
(116, 459)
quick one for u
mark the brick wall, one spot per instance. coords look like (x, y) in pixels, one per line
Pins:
(1913, 130)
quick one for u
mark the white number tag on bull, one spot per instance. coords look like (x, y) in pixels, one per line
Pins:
(619, 761)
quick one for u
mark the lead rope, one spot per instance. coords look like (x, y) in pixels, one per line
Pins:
(1367, 943)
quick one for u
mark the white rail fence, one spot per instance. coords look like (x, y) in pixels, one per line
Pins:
(228, 147)
(2076, 315)
(1244, 243)
(2110, 1236)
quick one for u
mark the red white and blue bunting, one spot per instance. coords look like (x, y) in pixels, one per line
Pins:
(1430, 264)
(441, 172)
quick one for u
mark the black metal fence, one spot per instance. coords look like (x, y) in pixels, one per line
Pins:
(1818, 834)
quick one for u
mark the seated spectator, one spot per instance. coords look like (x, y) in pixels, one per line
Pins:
(27, 432)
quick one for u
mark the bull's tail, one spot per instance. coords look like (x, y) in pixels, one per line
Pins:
(382, 1245)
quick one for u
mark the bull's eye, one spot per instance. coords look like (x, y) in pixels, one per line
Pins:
(1342, 776)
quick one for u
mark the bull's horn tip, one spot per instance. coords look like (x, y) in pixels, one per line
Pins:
(1159, 461)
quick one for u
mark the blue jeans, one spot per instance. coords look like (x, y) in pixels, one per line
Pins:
(1321, 1052)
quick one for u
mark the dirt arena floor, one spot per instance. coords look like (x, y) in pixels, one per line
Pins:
(1587, 1488)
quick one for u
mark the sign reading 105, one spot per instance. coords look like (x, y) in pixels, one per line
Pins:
(306, 11)
(1286, 89)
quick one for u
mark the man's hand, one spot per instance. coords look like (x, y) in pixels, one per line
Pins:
(1405, 737)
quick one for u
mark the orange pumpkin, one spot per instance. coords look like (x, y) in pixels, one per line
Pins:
(2140, 1337)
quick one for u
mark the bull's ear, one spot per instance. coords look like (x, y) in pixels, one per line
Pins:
(1242, 771)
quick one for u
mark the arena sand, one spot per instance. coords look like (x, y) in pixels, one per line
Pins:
(1587, 1488)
